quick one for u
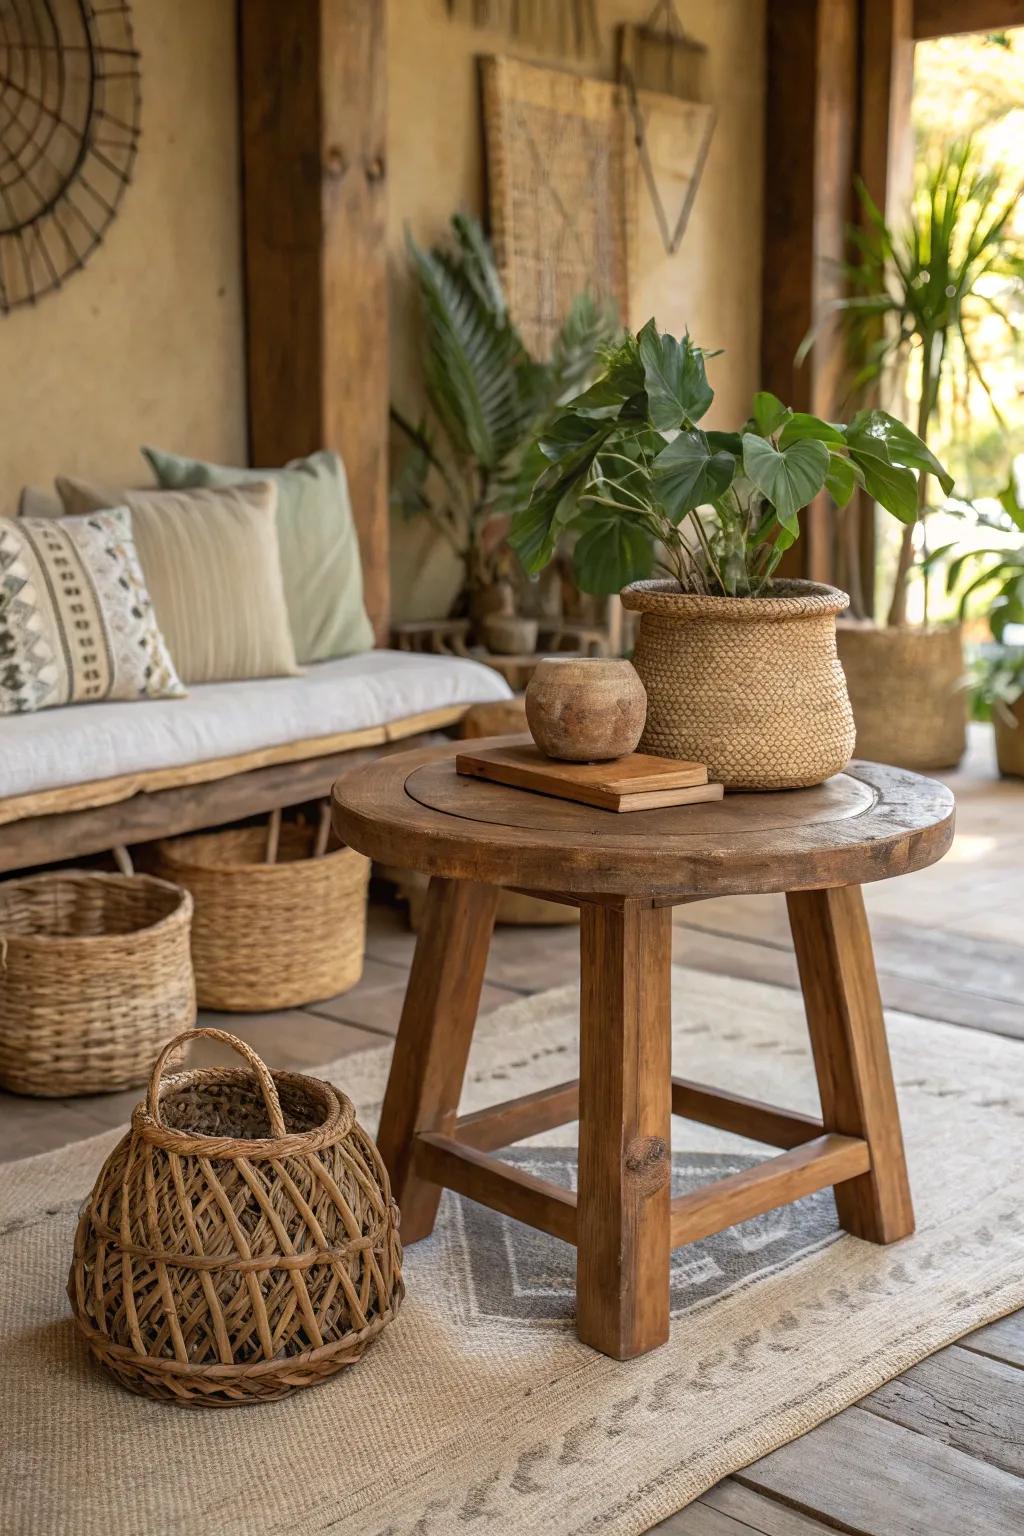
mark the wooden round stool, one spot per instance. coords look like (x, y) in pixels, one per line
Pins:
(626, 872)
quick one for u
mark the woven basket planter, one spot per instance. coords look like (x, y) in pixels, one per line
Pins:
(269, 935)
(95, 977)
(750, 686)
(907, 691)
(1010, 740)
(240, 1241)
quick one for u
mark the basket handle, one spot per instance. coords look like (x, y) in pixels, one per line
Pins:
(259, 1067)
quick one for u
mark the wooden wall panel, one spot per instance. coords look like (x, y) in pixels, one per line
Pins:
(314, 98)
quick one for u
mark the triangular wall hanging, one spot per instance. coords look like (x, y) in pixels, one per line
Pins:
(661, 70)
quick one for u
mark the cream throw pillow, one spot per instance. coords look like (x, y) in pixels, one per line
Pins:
(76, 621)
(211, 562)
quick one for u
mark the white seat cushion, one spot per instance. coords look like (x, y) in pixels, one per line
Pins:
(84, 743)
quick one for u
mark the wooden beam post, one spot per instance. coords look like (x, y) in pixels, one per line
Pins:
(314, 122)
(810, 156)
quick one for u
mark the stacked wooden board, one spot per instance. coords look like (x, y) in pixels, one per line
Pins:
(638, 782)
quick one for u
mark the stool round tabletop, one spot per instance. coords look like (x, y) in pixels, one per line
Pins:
(414, 811)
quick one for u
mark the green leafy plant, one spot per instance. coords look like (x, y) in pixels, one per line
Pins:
(997, 684)
(918, 293)
(631, 472)
(1002, 568)
(485, 396)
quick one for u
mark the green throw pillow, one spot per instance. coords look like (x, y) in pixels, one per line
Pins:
(323, 577)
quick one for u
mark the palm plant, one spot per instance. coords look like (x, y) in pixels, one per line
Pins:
(466, 469)
(1002, 567)
(919, 292)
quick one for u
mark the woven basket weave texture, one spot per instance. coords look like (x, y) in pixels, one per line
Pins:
(240, 1241)
(95, 977)
(269, 935)
(1010, 741)
(750, 686)
(906, 687)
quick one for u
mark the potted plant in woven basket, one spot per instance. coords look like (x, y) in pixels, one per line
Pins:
(926, 294)
(740, 668)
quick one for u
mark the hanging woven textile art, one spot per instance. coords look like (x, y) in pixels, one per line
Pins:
(555, 26)
(661, 69)
(562, 205)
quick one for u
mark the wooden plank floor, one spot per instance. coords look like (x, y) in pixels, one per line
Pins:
(938, 1452)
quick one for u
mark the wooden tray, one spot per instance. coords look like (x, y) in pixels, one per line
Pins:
(634, 783)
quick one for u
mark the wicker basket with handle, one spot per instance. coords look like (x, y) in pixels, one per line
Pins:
(280, 920)
(95, 976)
(240, 1241)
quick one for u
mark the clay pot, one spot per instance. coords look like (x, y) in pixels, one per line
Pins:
(585, 709)
(1010, 741)
(750, 686)
(508, 635)
(907, 691)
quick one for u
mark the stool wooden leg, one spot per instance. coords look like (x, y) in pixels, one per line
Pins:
(851, 1055)
(434, 1037)
(622, 1253)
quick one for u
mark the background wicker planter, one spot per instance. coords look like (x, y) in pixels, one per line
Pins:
(185, 1282)
(95, 978)
(269, 935)
(906, 688)
(749, 686)
(1010, 741)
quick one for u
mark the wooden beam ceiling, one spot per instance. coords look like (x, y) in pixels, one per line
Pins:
(944, 18)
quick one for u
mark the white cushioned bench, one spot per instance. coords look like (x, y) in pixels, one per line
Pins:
(82, 756)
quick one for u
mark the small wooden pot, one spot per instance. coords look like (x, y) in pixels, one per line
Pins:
(907, 691)
(749, 686)
(585, 709)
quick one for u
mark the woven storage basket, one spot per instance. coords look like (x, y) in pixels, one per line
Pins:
(907, 691)
(272, 935)
(750, 686)
(95, 976)
(240, 1241)
(1009, 731)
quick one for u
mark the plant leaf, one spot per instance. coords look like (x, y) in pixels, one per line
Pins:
(893, 488)
(789, 478)
(878, 433)
(842, 478)
(799, 425)
(611, 553)
(687, 474)
(1009, 500)
(535, 528)
(621, 382)
(674, 378)
(768, 413)
(567, 434)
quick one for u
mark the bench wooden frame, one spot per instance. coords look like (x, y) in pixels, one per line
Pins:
(85, 819)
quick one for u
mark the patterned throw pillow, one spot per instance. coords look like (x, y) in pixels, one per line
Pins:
(76, 620)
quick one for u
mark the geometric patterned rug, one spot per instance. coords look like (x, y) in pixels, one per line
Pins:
(479, 1410)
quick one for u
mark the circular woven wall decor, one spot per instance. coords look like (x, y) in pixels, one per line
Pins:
(69, 130)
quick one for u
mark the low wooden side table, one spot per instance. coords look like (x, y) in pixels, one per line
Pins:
(626, 872)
